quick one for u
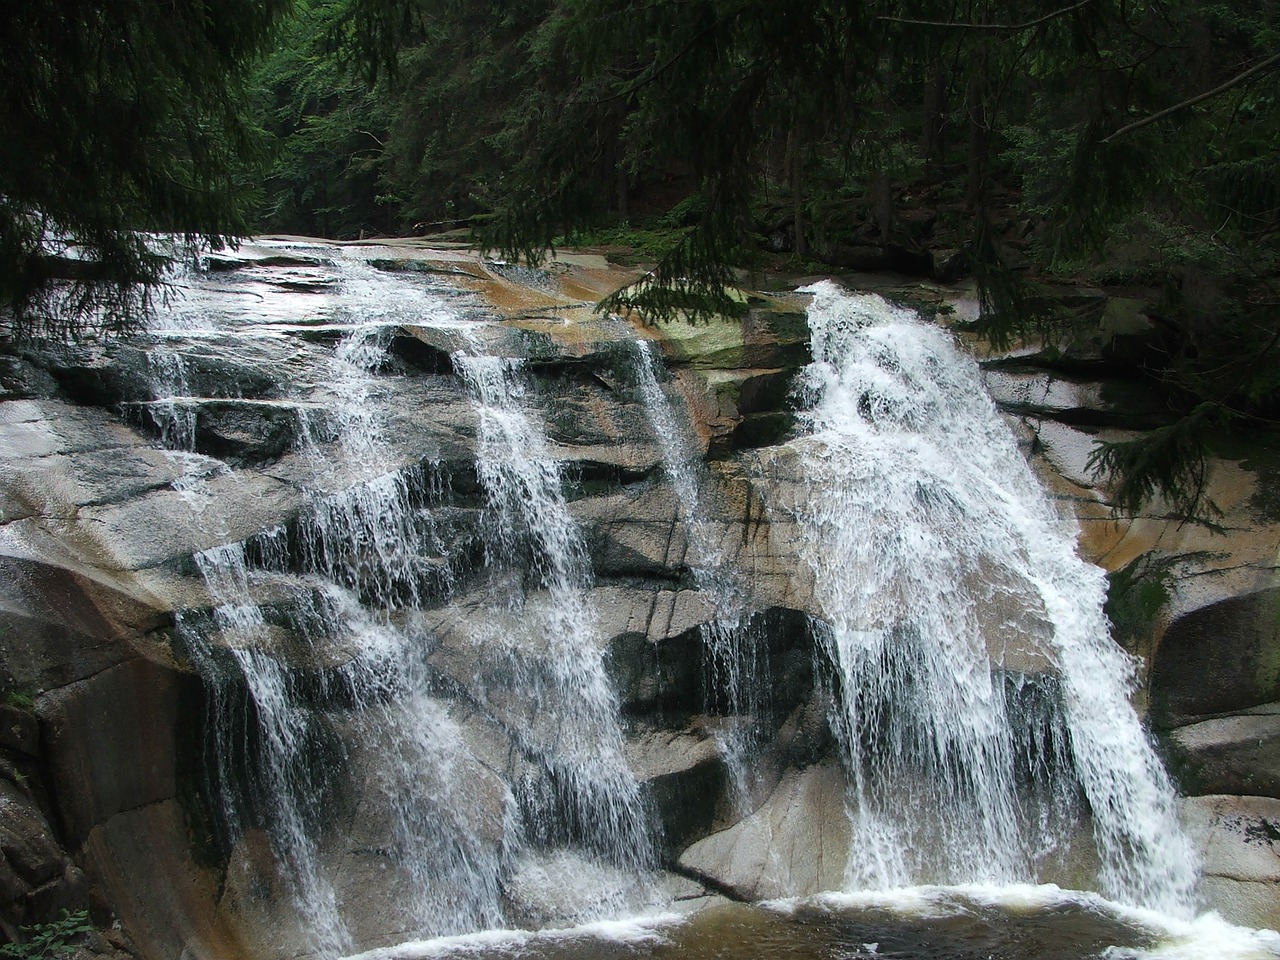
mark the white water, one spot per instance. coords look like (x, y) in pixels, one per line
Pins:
(282, 727)
(733, 660)
(937, 559)
(355, 569)
(942, 568)
(554, 651)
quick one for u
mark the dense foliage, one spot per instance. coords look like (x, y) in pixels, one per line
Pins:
(1129, 143)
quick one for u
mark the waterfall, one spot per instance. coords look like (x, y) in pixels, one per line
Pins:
(732, 656)
(979, 700)
(175, 419)
(319, 641)
(551, 651)
(407, 665)
(283, 727)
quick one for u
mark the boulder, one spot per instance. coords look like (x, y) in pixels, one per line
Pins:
(1220, 658)
(686, 782)
(772, 337)
(61, 625)
(1238, 839)
(795, 844)
(111, 741)
(1238, 754)
(37, 878)
(149, 865)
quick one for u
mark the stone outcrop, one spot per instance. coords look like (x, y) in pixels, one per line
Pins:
(1239, 843)
(104, 796)
(1199, 604)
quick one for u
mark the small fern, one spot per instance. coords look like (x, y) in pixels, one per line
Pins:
(48, 941)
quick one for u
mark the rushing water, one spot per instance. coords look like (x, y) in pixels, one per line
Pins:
(980, 708)
(348, 579)
(587, 776)
(920, 923)
(949, 587)
(733, 675)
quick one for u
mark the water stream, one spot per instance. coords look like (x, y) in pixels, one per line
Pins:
(346, 584)
(415, 656)
(950, 587)
(733, 676)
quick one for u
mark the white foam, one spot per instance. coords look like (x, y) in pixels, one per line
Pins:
(1205, 937)
(968, 637)
(635, 930)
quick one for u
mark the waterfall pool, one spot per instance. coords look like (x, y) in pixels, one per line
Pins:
(1015, 922)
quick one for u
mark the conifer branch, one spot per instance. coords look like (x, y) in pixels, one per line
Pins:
(653, 72)
(1198, 98)
(1001, 27)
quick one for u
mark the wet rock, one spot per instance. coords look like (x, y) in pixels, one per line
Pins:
(1238, 839)
(236, 431)
(19, 730)
(37, 877)
(31, 429)
(686, 781)
(261, 255)
(948, 264)
(635, 533)
(255, 916)
(565, 886)
(61, 626)
(765, 338)
(110, 742)
(657, 683)
(145, 864)
(653, 612)
(1075, 400)
(118, 374)
(427, 824)
(168, 525)
(22, 380)
(418, 357)
(796, 844)
(1239, 754)
(1220, 658)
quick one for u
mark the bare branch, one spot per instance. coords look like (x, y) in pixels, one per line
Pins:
(1198, 98)
(1002, 27)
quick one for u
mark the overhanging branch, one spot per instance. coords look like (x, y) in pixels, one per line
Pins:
(1198, 98)
(1005, 27)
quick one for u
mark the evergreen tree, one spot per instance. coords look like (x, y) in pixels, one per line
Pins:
(119, 116)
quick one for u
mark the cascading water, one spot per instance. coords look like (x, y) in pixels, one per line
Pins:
(282, 726)
(175, 419)
(733, 659)
(409, 662)
(979, 700)
(549, 641)
(350, 583)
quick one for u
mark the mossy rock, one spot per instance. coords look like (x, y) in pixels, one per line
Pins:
(761, 339)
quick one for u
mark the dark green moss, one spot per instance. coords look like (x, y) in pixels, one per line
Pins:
(1135, 596)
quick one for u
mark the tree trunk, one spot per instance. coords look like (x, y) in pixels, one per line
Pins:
(797, 196)
(979, 132)
(622, 190)
(934, 109)
(882, 204)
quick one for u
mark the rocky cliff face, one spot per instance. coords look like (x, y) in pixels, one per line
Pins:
(1197, 604)
(125, 475)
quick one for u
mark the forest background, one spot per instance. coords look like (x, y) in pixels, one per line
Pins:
(1126, 144)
